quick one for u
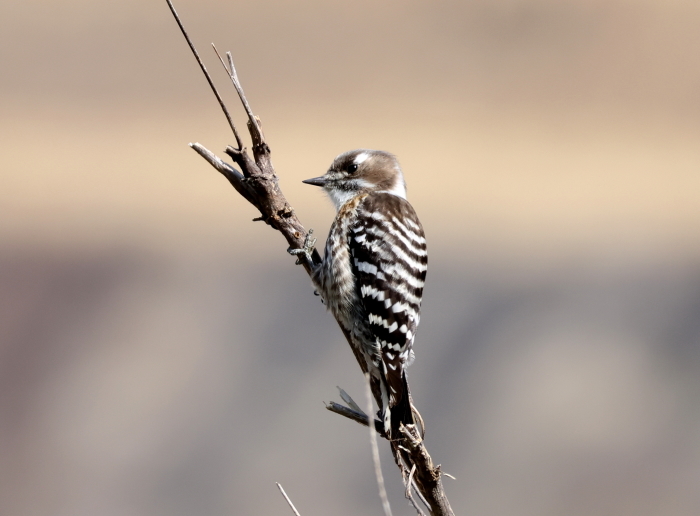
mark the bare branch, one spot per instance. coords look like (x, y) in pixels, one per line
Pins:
(428, 478)
(348, 399)
(358, 417)
(206, 74)
(375, 452)
(234, 176)
(287, 498)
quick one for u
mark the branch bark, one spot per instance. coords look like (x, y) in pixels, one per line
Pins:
(258, 184)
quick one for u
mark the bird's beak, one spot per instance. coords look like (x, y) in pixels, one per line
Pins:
(316, 181)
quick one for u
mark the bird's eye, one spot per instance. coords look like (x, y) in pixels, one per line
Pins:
(352, 168)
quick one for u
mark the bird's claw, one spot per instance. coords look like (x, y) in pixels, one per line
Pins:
(306, 250)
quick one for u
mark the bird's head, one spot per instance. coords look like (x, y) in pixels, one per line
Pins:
(360, 171)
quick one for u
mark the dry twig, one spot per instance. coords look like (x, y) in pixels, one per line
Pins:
(287, 498)
(375, 451)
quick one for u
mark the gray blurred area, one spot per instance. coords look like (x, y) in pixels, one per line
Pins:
(161, 354)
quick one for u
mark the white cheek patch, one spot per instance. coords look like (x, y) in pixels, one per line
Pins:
(361, 158)
(362, 183)
(399, 189)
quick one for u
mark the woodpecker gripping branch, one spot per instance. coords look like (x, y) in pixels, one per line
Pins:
(371, 277)
(373, 272)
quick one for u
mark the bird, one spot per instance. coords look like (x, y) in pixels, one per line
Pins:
(373, 272)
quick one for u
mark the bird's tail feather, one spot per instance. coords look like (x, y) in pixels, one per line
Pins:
(403, 411)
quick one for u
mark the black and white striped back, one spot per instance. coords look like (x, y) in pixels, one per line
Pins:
(389, 260)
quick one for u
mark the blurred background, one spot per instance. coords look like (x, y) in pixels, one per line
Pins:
(160, 354)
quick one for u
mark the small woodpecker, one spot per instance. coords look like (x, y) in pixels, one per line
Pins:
(373, 271)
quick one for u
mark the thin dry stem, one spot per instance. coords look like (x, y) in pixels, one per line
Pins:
(348, 399)
(375, 452)
(239, 89)
(409, 492)
(287, 498)
(358, 417)
(231, 71)
(206, 74)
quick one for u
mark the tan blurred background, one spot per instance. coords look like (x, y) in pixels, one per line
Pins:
(160, 353)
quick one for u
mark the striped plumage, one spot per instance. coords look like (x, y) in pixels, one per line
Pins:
(373, 271)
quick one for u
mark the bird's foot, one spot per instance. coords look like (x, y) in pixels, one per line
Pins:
(306, 250)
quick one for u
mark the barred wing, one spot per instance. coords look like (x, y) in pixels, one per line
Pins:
(389, 260)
